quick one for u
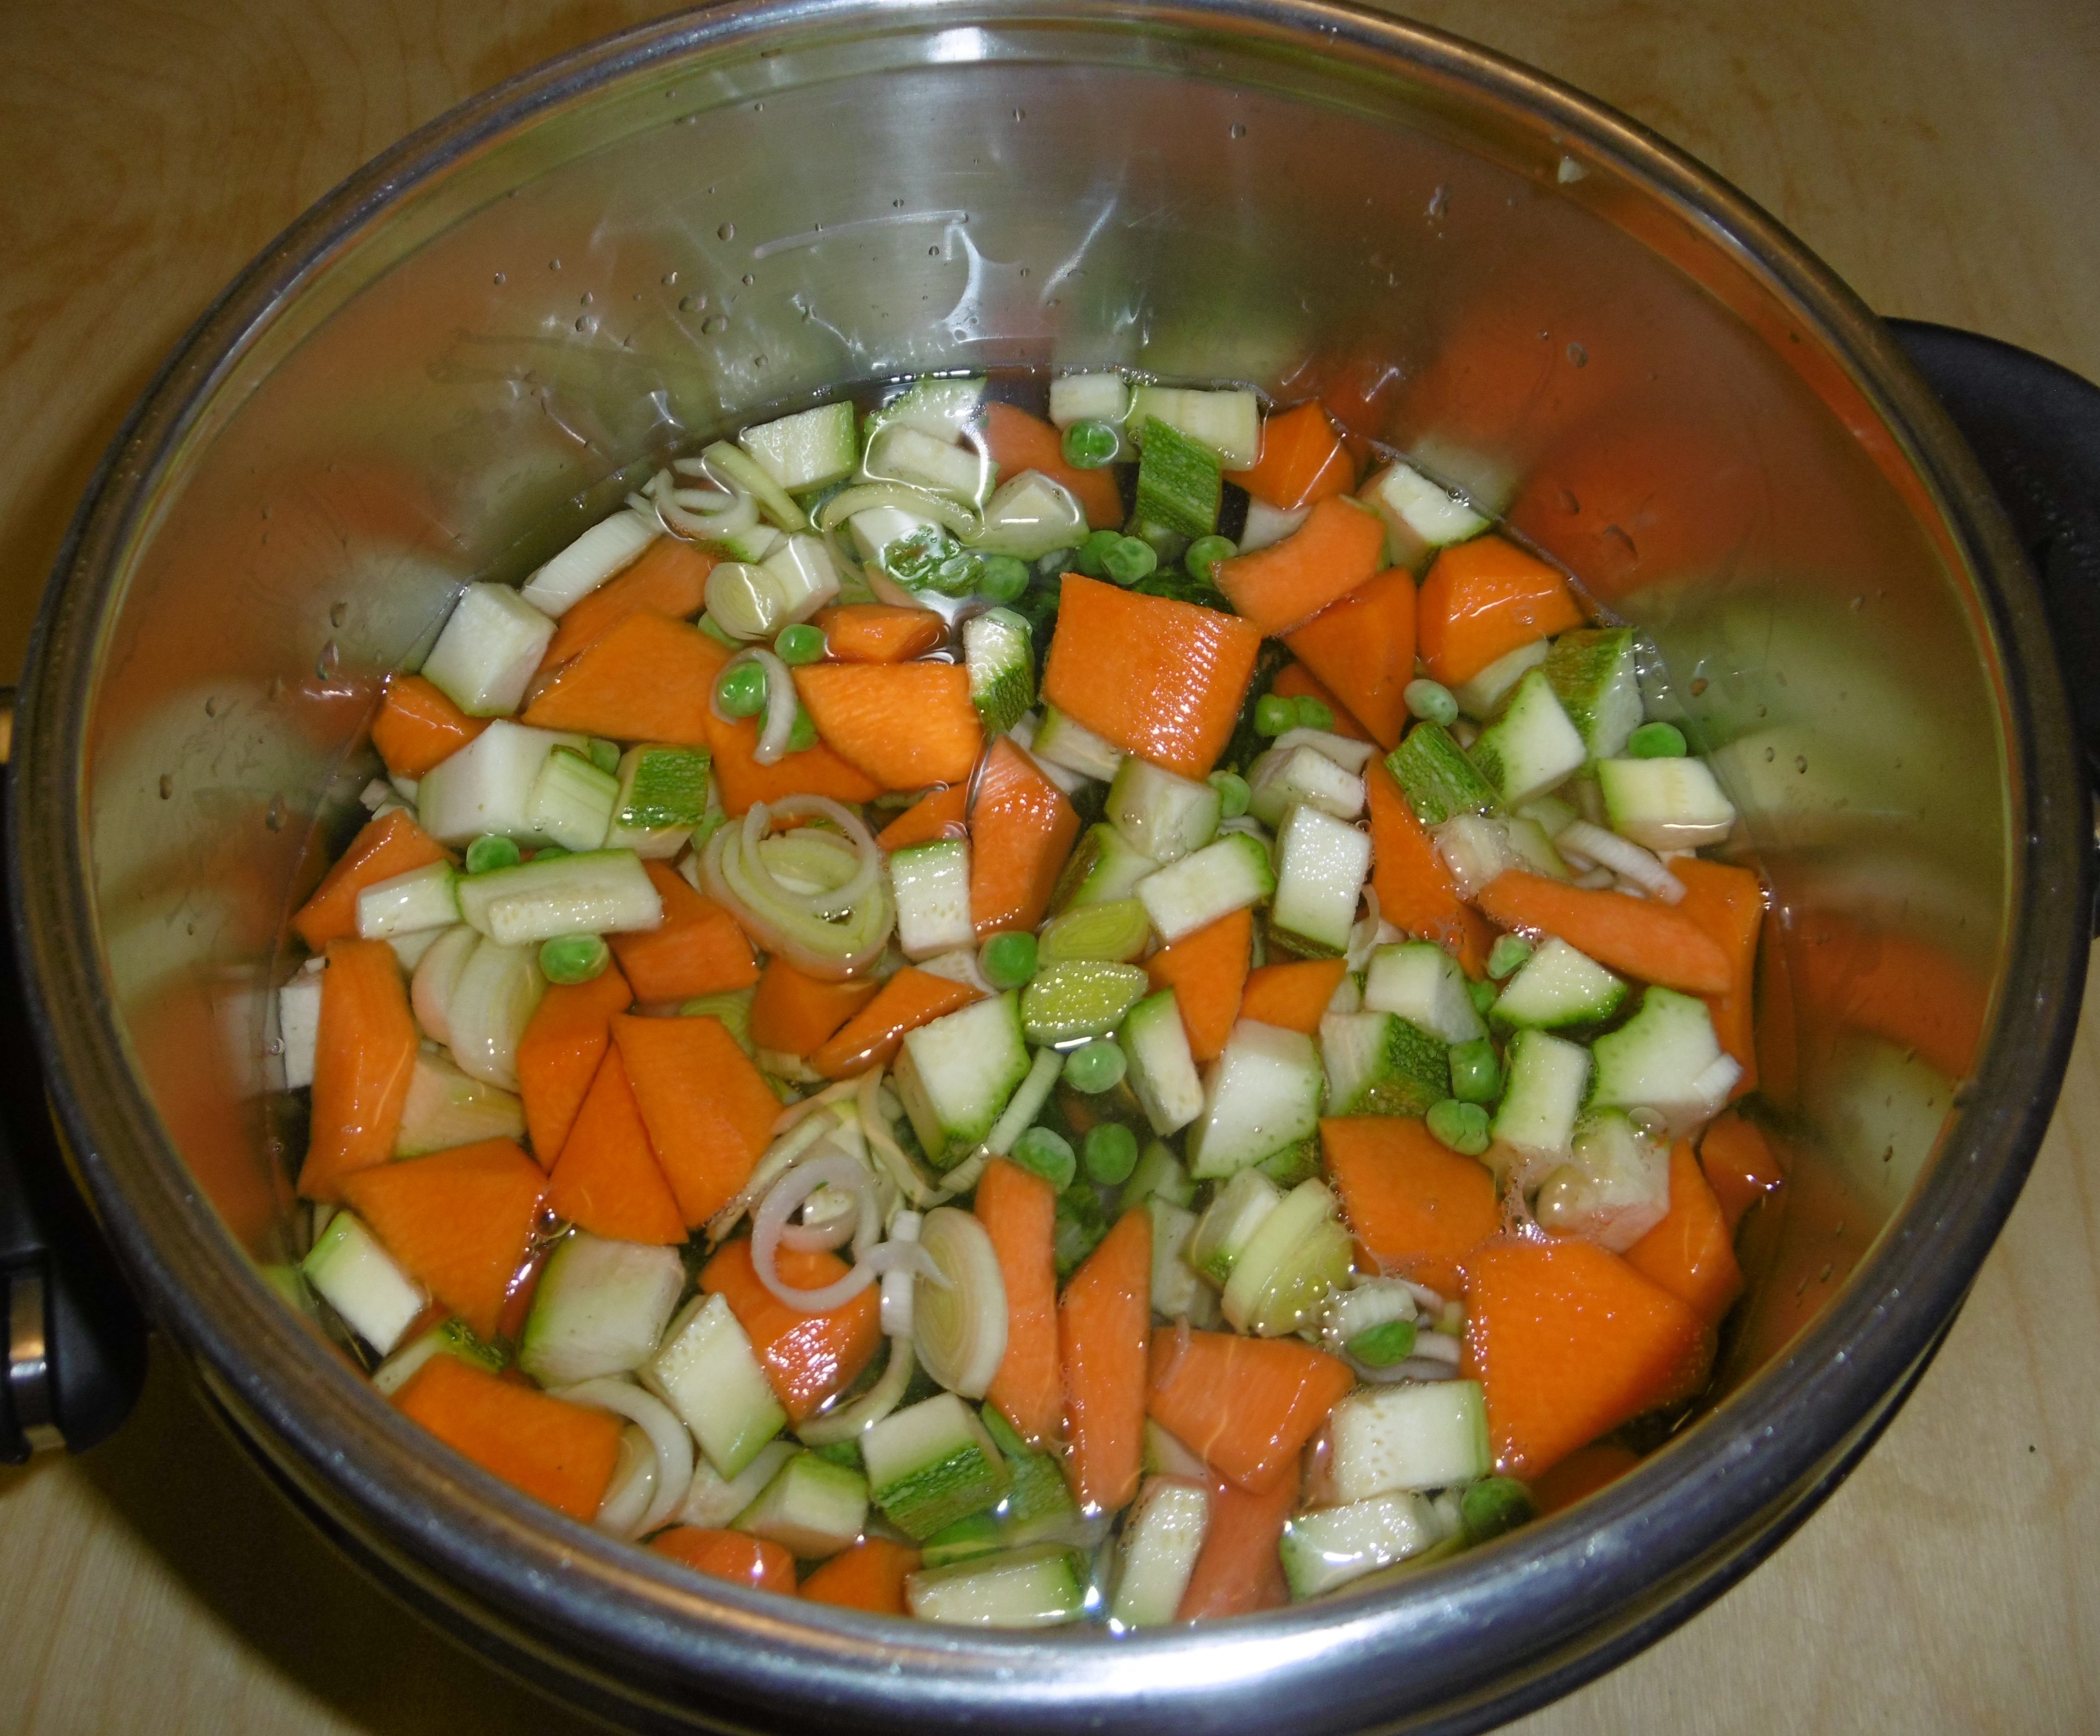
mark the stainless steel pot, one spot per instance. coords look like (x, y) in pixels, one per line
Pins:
(449, 363)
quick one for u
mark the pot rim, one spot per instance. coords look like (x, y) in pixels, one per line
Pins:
(559, 1583)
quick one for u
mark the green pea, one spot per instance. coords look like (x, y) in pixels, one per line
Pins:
(1477, 1074)
(488, 852)
(574, 958)
(1095, 1067)
(604, 754)
(1089, 445)
(1233, 794)
(1432, 701)
(1506, 957)
(800, 643)
(1483, 995)
(1110, 1152)
(1274, 715)
(1463, 1126)
(1092, 559)
(802, 734)
(1130, 560)
(549, 853)
(1492, 1506)
(1381, 1346)
(1048, 1155)
(1204, 554)
(1005, 578)
(1311, 714)
(1655, 741)
(740, 691)
(1007, 959)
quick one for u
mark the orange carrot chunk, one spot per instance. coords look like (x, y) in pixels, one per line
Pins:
(869, 1576)
(1293, 996)
(939, 814)
(794, 1014)
(872, 1035)
(1414, 883)
(1737, 1161)
(1207, 971)
(1022, 829)
(1294, 681)
(668, 577)
(560, 1453)
(558, 1055)
(1302, 461)
(1157, 678)
(879, 632)
(647, 678)
(1729, 904)
(1570, 1342)
(1019, 1212)
(807, 1358)
(1339, 546)
(904, 724)
(756, 1562)
(1692, 1253)
(1362, 649)
(697, 949)
(607, 1180)
(1247, 1406)
(458, 1220)
(364, 1057)
(1104, 1324)
(1582, 1472)
(814, 771)
(1483, 599)
(1017, 441)
(709, 1110)
(1644, 938)
(1417, 1207)
(390, 845)
(418, 727)
(1239, 1571)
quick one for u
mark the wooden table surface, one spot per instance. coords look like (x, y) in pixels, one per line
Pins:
(1941, 154)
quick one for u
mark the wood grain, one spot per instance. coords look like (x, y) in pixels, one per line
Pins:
(1939, 153)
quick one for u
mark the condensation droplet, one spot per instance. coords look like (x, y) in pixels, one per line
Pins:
(1801, 762)
(1858, 604)
(167, 785)
(758, 361)
(714, 326)
(276, 691)
(691, 303)
(1440, 202)
(1021, 114)
(727, 233)
(1578, 356)
(583, 322)
(748, 280)
(501, 279)
(897, 204)
(553, 265)
(273, 1045)
(211, 707)
(1237, 129)
(932, 253)
(1771, 754)
(1568, 503)
(338, 613)
(586, 301)
(273, 816)
(324, 664)
(669, 278)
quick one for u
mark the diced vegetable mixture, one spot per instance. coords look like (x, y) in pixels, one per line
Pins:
(1021, 1021)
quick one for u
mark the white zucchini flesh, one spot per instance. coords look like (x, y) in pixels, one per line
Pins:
(1261, 1093)
(593, 892)
(874, 529)
(1283, 778)
(1074, 746)
(932, 1463)
(1228, 421)
(299, 1027)
(422, 898)
(1368, 1302)
(1162, 1069)
(1326, 1548)
(1533, 747)
(599, 1310)
(354, 1275)
(1558, 986)
(1321, 864)
(810, 449)
(712, 1500)
(900, 453)
(1614, 1189)
(931, 883)
(1030, 516)
(957, 1073)
(1419, 514)
(488, 651)
(940, 406)
(608, 547)
(1088, 397)
(447, 1106)
(1481, 697)
(1424, 985)
(1351, 756)
(959, 1324)
(812, 1508)
(1547, 1077)
(1267, 525)
(1665, 804)
(437, 976)
(1176, 1290)
(486, 786)
(1161, 813)
(1660, 1059)
(708, 1372)
(1162, 1538)
(492, 1000)
(802, 571)
(958, 965)
(1412, 1436)
(1229, 875)
(572, 801)
(1235, 1214)
(1041, 1586)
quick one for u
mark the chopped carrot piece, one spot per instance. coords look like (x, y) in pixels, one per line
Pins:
(1294, 680)
(872, 1035)
(1207, 970)
(1340, 545)
(879, 632)
(939, 814)
(1239, 1570)
(1363, 648)
(1483, 599)
(668, 577)
(558, 1055)
(794, 1014)
(364, 1059)
(1692, 1253)
(458, 1220)
(1570, 1342)
(560, 1453)
(1157, 678)
(1414, 883)
(418, 727)
(756, 1562)
(1302, 461)
(390, 845)
(1643, 937)
(1739, 1165)
(698, 950)
(1294, 996)
(1017, 441)
(1022, 829)
(904, 724)
(814, 771)
(1019, 1212)
(1582, 1472)
(868, 1576)
(1245, 1405)
(709, 1110)
(1104, 1324)
(647, 678)
(808, 1358)
(607, 1180)
(1416, 1207)
(1729, 904)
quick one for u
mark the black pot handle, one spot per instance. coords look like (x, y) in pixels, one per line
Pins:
(75, 1341)
(2036, 429)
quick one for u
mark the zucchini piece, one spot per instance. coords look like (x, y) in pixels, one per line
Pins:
(1437, 777)
(965, 1540)
(1595, 674)
(713, 1500)
(1000, 655)
(1079, 997)
(1547, 1077)
(609, 546)
(932, 1463)
(1176, 1291)
(1180, 483)
(1321, 864)
(901, 453)
(1660, 1059)
(1556, 987)
(1165, 1456)
(956, 1073)
(1267, 525)
(1482, 697)
(486, 786)
(708, 1372)
(1417, 1435)
(1420, 518)
(1031, 515)
(812, 1508)
(1532, 747)
(903, 544)
(1229, 1222)
(940, 406)
(446, 1107)
(740, 470)
(1160, 813)
(1379, 1064)
(572, 801)
(1294, 1163)
(1074, 746)
(1041, 1586)
(1283, 778)
(1228, 423)
(810, 449)
(1326, 1548)
(1614, 1188)
(1161, 1540)
(451, 1338)
(1293, 1261)
(299, 1026)
(1532, 845)
(1117, 931)
(594, 892)
(1426, 987)
(1088, 397)
(662, 798)
(1219, 878)
(409, 904)
(1262, 1095)
(1369, 1305)
(1665, 804)
(485, 656)
(599, 1308)
(931, 884)
(1026, 1102)
(1101, 870)
(1158, 1172)
(354, 1275)
(1162, 1071)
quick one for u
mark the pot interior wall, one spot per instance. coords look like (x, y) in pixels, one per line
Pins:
(453, 391)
